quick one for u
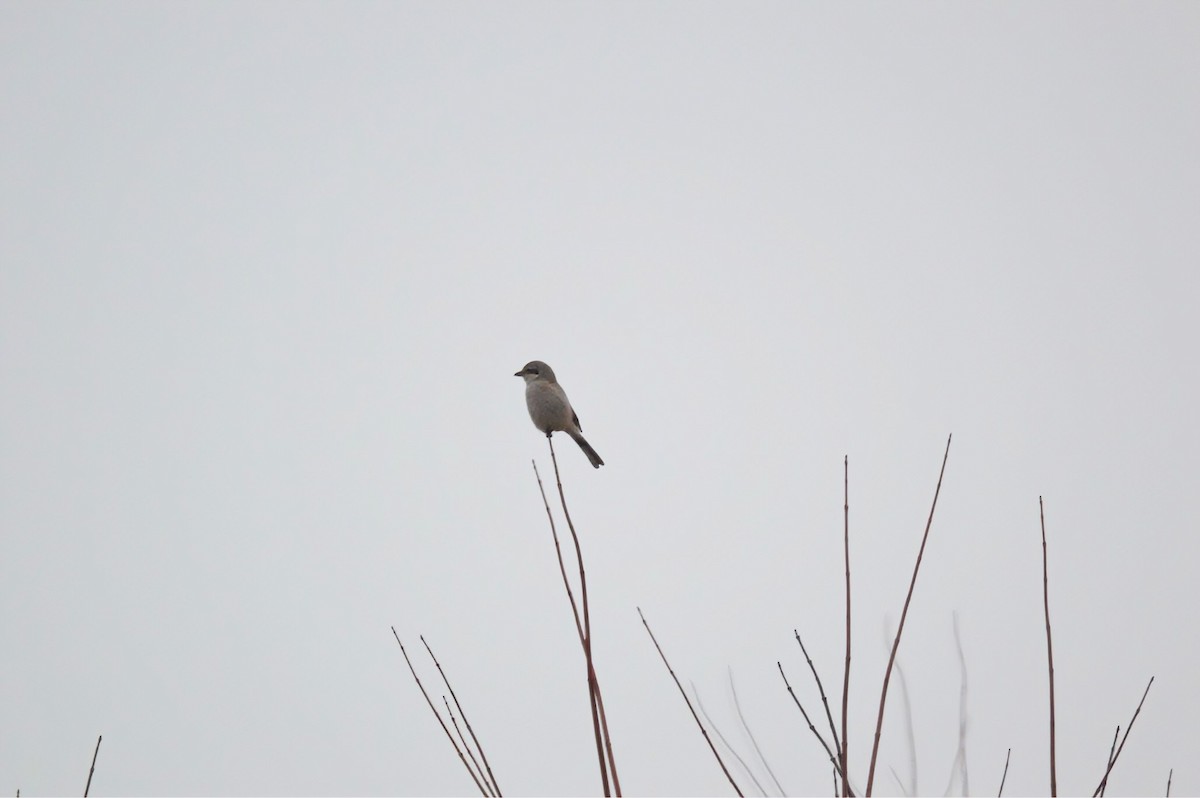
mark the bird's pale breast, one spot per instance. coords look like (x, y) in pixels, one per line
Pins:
(548, 406)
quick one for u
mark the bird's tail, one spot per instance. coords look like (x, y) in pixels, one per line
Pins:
(587, 449)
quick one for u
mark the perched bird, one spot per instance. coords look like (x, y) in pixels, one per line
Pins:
(549, 407)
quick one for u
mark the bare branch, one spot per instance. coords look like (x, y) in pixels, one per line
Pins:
(558, 551)
(1049, 650)
(960, 756)
(887, 676)
(829, 752)
(438, 715)
(821, 689)
(92, 770)
(909, 735)
(843, 755)
(1124, 737)
(689, 704)
(604, 752)
(490, 779)
(1004, 777)
(1112, 749)
(721, 737)
(746, 727)
(467, 748)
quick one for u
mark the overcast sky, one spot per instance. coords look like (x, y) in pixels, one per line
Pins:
(267, 269)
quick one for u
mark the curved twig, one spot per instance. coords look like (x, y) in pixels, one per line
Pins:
(1004, 777)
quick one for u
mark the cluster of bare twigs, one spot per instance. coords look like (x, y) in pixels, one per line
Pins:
(836, 745)
(838, 752)
(483, 777)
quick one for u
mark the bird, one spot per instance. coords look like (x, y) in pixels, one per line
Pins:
(550, 409)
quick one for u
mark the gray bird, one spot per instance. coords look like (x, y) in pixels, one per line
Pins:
(549, 407)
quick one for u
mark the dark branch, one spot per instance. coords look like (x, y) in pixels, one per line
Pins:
(887, 675)
(695, 717)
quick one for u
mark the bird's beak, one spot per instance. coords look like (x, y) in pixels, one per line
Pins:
(519, 374)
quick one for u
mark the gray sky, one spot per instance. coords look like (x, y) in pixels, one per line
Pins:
(266, 271)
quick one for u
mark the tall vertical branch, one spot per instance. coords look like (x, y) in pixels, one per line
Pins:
(845, 742)
(887, 676)
(1049, 648)
(583, 627)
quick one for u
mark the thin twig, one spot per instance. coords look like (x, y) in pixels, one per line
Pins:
(746, 727)
(490, 778)
(558, 551)
(1124, 737)
(467, 748)
(909, 734)
(745, 767)
(92, 770)
(828, 751)
(587, 618)
(845, 742)
(695, 717)
(1049, 649)
(1112, 749)
(960, 757)
(438, 715)
(821, 689)
(900, 629)
(1004, 777)
(1170, 773)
